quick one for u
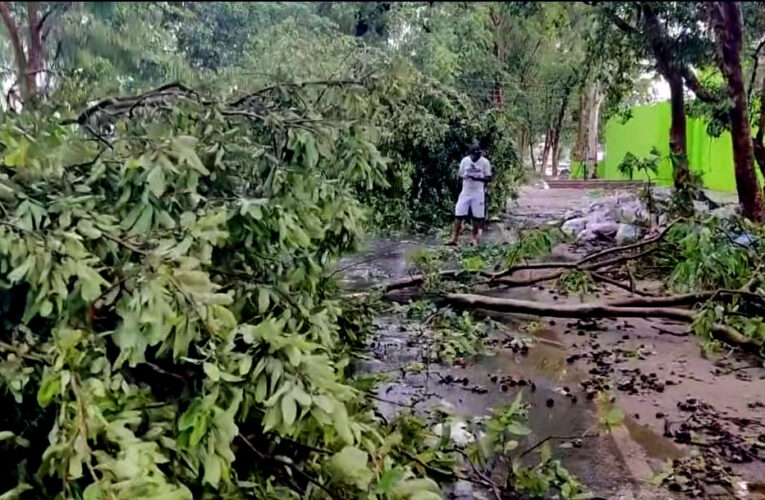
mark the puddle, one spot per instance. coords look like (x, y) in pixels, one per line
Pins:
(655, 446)
(598, 463)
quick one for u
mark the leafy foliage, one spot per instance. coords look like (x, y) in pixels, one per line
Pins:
(164, 296)
(706, 256)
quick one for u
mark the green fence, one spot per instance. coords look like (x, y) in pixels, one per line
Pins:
(648, 128)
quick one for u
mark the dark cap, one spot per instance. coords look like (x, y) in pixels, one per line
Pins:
(475, 147)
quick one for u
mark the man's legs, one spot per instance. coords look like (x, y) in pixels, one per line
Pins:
(457, 231)
(477, 230)
(479, 213)
(461, 211)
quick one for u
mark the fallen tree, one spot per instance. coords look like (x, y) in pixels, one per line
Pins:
(721, 332)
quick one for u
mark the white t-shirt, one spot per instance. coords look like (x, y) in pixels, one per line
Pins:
(481, 168)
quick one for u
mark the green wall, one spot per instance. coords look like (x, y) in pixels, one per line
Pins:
(649, 128)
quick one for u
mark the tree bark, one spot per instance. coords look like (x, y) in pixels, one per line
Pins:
(579, 152)
(546, 152)
(35, 54)
(758, 142)
(596, 98)
(531, 152)
(678, 145)
(668, 68)
(557, 130)
(728, 26)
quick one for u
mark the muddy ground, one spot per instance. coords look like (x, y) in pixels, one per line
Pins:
(676, 402)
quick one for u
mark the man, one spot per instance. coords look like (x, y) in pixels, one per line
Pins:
(475, 172)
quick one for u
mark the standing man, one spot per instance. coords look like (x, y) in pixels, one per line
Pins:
(475, 172)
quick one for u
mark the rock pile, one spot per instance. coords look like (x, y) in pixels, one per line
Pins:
(620, 217)
(623, 218)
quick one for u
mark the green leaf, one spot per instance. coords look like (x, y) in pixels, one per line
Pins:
(414, 486)
(200, 430)
(212, 371)
(389, 479)
(517, 429)
(143, 224)
(301, 396)
(46, 307)
(18, 274)
(289, 409)
(212, 468)
(263, 300)
(261, 389)
(342, 425)
(92, 492)
(86, 228)
(49, 388)
(156, 181)
(349, 466)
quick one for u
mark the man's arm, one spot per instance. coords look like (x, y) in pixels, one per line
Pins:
(486, 174)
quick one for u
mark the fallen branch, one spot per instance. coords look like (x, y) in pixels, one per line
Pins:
(416, 280)
(586, 267)
(598, 310)
(587, 258)
(584, 264)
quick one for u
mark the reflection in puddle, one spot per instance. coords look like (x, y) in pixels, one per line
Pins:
(654, 445)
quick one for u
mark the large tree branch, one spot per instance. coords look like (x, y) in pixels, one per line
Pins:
(618, 21)
(598, 310)
(693, 83)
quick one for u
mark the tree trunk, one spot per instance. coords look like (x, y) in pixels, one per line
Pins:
(595, 99)
(677, 135)
(555, 151)
(546, 151)
(557, 130)
(759, 143)
(667, 65)
(34, 50)
(531, 152)
(498, 95)
(578, 154)
(728, 25)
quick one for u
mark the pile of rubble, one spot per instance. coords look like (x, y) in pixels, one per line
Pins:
(623, 218)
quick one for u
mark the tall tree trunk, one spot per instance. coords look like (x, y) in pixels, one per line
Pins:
(579, 153)
(557, 130)
(759, 142)
(555, 151)
(728, 26)
(34, 49)
(677, 134)
(546, 151)
(498, 95)
(595, 98)
(531, 152)
(668, 68)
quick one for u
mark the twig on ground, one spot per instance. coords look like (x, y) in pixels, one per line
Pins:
(549, 438)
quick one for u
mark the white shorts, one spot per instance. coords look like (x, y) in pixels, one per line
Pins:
(470, 204)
